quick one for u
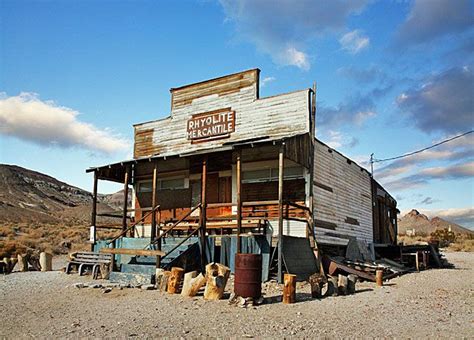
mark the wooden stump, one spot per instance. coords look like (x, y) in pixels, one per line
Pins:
(23, 262)
(105, 270)
(332, 287)
(216, 280)
(342, 284)
(175, 280)
(46, 262)
(289, 288)
(192, 284)
(351, 283)
(379, 277)
(316, 282)
(162, 281)
(9, 264)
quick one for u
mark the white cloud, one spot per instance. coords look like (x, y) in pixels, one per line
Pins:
(291, 56)
(354, 41)
(43, 122)
(337, 140)
(462, 216)
(287, 25)
(266, 81)
(432, 19)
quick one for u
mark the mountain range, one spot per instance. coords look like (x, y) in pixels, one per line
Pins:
(27, 196)
(422, 224)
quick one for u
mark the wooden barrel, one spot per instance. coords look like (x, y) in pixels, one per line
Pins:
(248, 275)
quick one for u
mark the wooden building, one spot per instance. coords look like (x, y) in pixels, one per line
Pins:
(227, 162)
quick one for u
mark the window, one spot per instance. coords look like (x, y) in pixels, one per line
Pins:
(162, 184)
(271, 174)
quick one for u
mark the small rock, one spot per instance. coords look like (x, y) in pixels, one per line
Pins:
(106, 290)
(148, 287)
(95, 285)
(79, 285)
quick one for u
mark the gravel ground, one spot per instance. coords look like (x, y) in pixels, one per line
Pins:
(433, 303)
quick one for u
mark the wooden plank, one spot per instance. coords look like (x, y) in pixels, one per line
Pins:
(138, 252)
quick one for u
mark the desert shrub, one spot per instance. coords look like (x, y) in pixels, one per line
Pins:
(444, 236)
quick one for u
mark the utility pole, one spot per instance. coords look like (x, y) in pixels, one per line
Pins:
(372, 164)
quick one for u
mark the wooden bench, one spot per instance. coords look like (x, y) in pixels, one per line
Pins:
(82, 260)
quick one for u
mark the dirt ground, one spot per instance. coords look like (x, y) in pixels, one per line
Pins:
(433, 303)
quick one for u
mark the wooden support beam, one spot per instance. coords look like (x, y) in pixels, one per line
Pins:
(126, 251)
(239, 198)
(281, 166)
(202, 216)
(125, 198)
(153, 202)
(94, 210)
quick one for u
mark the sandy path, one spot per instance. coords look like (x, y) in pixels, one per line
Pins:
(433, 303)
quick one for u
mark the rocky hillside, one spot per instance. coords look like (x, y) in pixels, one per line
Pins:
(423, 225)
(28, 196)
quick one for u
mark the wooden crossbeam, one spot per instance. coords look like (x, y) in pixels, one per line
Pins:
(139, 252)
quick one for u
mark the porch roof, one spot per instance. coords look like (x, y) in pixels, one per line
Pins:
(116, 171)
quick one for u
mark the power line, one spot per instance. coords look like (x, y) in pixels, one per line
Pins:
(372, 160)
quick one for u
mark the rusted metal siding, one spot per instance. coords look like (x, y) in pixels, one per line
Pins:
(272, 118)
(342, 198)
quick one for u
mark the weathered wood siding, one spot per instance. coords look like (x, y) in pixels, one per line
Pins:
(342, 198)
(274, 117)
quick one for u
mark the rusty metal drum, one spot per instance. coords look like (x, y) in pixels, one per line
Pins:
(248, 275)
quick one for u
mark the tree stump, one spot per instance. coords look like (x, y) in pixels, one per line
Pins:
(342, 284)
(23, 262)
(331, 287)
(316, 282)
(351, 283)
(163, 280)
(216, 280)
(46, 262)
(379, 277)
(192, 284)
(175, 280)
(105, 270)
(289, 288)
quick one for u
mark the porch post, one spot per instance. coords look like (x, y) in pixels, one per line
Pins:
(153, 214)
(125, 197)
(202, 216)
(153, 202)
(94, 211)
(281, 165)
(239, 199)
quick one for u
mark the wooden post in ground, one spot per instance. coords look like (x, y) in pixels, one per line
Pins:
(202, 217)
(281, 166)
(216, 279)
(379, 277)
(192, 283)
(342, 283)
(175, 280)
(125, 197)
(94, 211)
(289, 288)
(239, 199)
(351, 283)
(23, 262)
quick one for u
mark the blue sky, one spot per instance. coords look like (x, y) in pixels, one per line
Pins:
(392, 77)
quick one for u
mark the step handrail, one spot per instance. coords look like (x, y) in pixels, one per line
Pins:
(181, 243)
(174, 225)
(152, 211)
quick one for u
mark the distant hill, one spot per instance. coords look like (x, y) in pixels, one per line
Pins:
(423, 225)
(27, 196)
